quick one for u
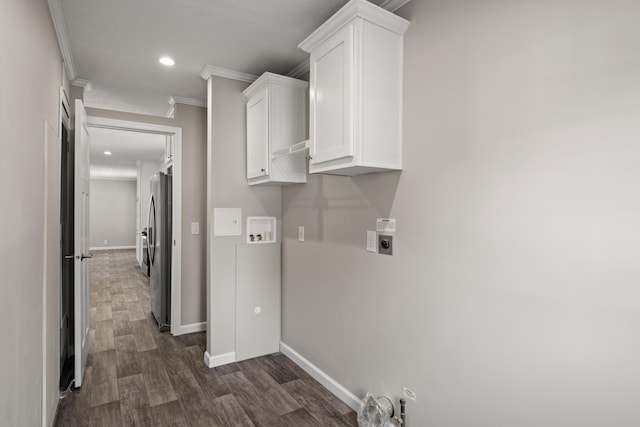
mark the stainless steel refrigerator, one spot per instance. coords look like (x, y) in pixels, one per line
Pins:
(159, 249)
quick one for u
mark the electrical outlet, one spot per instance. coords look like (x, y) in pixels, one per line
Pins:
(409, 394)
(371, 241)
(106, 241)
(301, 233)
(385, 244)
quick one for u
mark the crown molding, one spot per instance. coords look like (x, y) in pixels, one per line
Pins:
(85, 84)
(173, 100)
(171, 113)
(212, 70)
(355, 9)
(186, 101)
(59, 24)
(393, 5)
(276, 79)
(390, 5)
(300, 70)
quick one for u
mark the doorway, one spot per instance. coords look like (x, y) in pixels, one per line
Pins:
(173, 136)
(67, 250)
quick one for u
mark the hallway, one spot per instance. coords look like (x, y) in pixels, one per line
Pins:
(137, 376)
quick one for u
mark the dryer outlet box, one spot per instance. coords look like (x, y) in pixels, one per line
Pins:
(385, 244)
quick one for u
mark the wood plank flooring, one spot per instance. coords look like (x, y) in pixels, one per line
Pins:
(137, 376)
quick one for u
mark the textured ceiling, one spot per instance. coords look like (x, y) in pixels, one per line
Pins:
(116, 44)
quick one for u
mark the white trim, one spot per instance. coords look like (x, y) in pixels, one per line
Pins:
(329, 383)
(393, 5)
(113, 178)
(171, 113)
(176, 256)
(103, 122)
(85, 84)
(59, 24)
(300, 70)
(219, 359)
(176, 233)
(209, 232)
(355, 9)
(271, 78)
(45, 372)
(192, 327)
(110, 248)
(186, 101)
(212, 70)
(51, 273)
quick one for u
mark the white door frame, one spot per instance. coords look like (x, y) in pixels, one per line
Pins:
(176, 213)
(82, 284)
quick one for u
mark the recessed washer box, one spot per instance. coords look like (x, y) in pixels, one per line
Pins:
(261, 229)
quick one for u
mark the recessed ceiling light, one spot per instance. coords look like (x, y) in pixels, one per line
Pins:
(165, 60)
(107, 153)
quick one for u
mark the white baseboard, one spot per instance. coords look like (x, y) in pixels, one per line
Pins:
(329, 383)
(219, 359)
(111, 248)
(191, 328)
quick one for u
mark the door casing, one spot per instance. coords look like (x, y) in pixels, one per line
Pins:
(176, 257)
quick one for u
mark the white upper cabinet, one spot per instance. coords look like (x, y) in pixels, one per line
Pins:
(356, 91)
(276, 130)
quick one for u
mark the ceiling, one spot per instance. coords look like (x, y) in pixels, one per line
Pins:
(111, 48)
(126, 149)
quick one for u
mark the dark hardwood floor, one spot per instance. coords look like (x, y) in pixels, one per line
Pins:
(137, 376)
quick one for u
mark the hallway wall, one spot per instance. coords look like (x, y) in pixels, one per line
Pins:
(113, 213)
(30, 79)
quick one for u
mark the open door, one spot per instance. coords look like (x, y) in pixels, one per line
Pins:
(82, 342)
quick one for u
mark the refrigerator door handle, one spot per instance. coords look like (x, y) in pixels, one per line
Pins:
(151, 230)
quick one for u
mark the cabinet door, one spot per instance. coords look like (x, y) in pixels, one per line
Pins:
(258, 135)
(257, 300)
(332, 68)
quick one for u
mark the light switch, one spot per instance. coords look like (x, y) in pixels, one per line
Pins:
(195, 228)
(301, 233)
(372, 241)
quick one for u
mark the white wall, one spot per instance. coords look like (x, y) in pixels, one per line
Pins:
(512, 298)
(113, 213)
(30, 80)
(228, 189)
